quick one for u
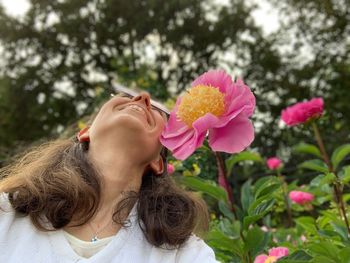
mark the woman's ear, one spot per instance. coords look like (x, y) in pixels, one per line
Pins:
(158, 166)
(84, 135)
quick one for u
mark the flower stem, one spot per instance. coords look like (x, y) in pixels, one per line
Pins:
(224, 182)
(285, 195)
(338, 191)
(222, 176)
(321, 146)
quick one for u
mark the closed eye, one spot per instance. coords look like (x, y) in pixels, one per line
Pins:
(124, 95)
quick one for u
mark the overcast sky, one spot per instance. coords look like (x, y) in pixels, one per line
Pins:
(266, 15)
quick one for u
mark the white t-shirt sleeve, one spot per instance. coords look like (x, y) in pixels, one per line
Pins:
(7, 217)
(196, 251)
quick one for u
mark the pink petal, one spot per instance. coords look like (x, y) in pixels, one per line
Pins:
(173, 142)
(174, 126)
(234, 137)
(215, 78)
(274, 163)
(241, 97)
(279, 252)
(301, 197)
(260, 259)
(200, 128)
(238, 100)
(301, 112)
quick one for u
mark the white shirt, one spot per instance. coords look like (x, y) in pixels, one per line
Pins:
(21, 242)
(84, 248)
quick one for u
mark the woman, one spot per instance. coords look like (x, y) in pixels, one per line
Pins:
(104, 197)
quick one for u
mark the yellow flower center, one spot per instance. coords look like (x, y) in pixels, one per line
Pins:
(199, 101)
(271, 259)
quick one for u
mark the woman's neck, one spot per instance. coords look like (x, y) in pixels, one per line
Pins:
(118, 177)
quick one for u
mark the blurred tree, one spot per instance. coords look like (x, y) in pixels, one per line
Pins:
(57, 55)
(309, 57)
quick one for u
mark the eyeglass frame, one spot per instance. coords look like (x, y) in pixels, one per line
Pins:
(118, 88)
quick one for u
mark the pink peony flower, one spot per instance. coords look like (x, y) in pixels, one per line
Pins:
(274, 255)
(302, 112)
(300, 197)
(274, 163)
(170, 168)
(214, 105)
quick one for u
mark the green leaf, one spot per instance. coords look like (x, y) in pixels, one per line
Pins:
(243, 156)
(339, 154)
(217, 239)
(261, 206)
(308, 223)
(268, 187)
(232, 230)
(255, 241)
(326, 249)
(345, 255)
(323, 179)
(322, 259)
(307, 149)
(248, 220)
(315, 165)
(246, 195)
(345, 174)
(225, 210)
(299, 256)
(198, 184)
(341, 230)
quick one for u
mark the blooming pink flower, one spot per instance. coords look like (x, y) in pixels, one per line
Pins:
(170, 168)
(274, 254)
(274, 163)
(214, 105)
(302, 112)
(300, 197)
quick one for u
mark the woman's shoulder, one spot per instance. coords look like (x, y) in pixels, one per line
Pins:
(5, 206)
(7, 213)
(195, 250)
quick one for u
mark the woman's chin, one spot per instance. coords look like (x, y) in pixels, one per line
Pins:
(132, 120)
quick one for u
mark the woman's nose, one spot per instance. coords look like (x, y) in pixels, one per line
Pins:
(144, 98)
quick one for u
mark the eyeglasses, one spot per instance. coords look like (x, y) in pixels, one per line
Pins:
(131, 93)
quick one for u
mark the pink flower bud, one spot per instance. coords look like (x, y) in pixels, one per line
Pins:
(170, 168)
(302, 112)
(300, 197)
(274, 163)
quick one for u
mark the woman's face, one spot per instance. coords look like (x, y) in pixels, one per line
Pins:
(130, 126)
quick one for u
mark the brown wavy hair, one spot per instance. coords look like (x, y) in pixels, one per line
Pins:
(56, 182)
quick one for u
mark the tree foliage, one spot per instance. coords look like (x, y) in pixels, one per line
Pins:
(53, 51)
(60, 56)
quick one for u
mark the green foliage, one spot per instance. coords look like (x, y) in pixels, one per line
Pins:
(243, 156)
(298, 256)
(258, 222)
(339, 154)
(307, 149)
(198, 184)
(315, 165)
(156, 45)
(187, 38)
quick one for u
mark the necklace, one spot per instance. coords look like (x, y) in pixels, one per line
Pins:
(95, 233)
